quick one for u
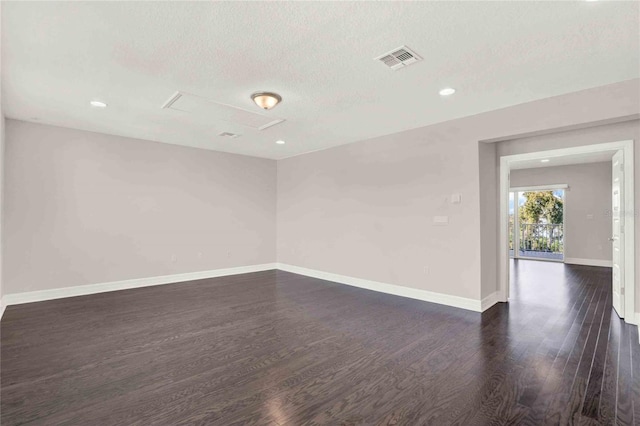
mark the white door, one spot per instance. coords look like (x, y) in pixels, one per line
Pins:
(618, 233)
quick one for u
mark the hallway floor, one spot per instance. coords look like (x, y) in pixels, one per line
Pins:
(579, 362)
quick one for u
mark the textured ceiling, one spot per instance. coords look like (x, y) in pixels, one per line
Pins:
(56, 56)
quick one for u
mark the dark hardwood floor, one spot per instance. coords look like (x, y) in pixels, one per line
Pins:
(274, 348)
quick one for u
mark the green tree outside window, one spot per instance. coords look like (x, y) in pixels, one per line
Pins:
(541, 218)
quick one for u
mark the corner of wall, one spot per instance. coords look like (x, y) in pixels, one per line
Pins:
(2, 145)
(488, 200)
(1, 196)
(1, 175)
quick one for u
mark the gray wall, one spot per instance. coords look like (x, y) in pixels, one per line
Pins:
(587, 205)
(365, 210)
(488, 186)
(84, 208)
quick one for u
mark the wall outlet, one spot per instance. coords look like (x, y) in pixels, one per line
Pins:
(440, 220)
(174, 258)
(426, 270)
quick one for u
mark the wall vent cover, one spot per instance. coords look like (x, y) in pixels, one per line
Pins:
(399, 57)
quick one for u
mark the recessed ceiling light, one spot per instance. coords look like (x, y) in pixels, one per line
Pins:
(546, 160)
(266, 100)
(447, 91)
(98, 104)
(280, 142)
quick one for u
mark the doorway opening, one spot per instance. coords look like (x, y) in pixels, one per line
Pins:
(533, 232)
(536, 223)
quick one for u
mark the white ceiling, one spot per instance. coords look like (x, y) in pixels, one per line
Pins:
(566, 160)
(57, 56)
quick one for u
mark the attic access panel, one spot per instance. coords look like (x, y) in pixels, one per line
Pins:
(209, 109)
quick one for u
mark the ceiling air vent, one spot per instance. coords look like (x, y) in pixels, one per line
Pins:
(399, 58)
(229, 135)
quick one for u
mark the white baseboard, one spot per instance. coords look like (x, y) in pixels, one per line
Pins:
(588, 262)
(490, 300)
(413, 293)
(82, 290)
(2, 308)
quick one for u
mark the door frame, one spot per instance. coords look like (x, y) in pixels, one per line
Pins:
(626, 146)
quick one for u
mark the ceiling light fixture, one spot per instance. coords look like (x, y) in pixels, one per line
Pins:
(280, 142)
(98, 104)
(266, 100)
(546, 160)
(447, 91)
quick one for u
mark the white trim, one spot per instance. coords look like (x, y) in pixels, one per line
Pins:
(2, 308)
(627, 147)
(490, 300)
(541, 259)
(516, 223)
(397, 290)
(629, 229)
(589, 262)
(413, 293)
(503, 231)
(538, 188)
(82, 290)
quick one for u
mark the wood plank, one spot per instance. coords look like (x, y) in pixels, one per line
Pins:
(608, 399)
(624, 409)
